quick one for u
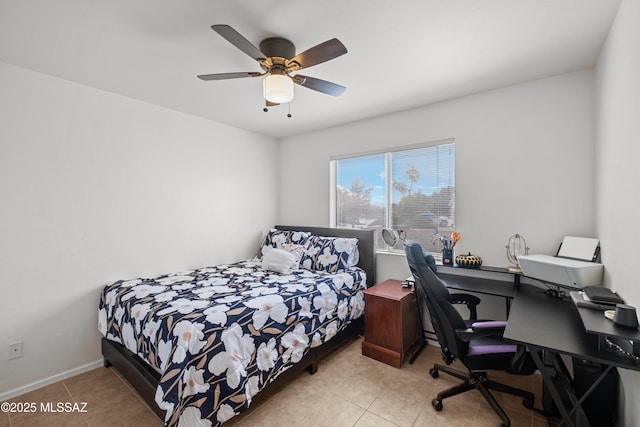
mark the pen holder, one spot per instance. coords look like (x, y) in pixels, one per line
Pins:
(447, 257)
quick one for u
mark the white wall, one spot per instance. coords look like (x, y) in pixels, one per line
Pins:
(524, 164)
(618, 183)
(95, 187)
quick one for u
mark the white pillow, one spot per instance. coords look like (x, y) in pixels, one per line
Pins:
(279, 260)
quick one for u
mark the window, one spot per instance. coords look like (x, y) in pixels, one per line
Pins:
(409, 188)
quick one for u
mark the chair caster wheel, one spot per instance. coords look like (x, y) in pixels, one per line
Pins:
(437, 404)
(434, 373)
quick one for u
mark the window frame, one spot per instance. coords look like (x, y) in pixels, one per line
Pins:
(388, 153)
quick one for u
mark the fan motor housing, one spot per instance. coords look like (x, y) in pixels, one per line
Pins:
(278, 47)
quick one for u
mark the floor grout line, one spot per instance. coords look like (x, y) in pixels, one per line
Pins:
(132, 391)
(64, 384)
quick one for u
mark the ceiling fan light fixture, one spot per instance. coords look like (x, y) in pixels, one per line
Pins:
(277, 88)
(277, 60)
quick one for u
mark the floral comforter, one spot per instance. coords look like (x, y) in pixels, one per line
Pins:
(218, 335)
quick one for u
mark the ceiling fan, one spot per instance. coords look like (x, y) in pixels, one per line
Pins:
(277, 57)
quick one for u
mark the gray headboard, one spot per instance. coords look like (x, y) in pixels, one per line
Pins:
(366, 244)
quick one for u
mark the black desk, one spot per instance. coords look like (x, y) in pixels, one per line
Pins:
(545, 323)
(498, 288)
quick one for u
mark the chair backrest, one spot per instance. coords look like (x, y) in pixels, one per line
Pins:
(416, 256)
(445, 319)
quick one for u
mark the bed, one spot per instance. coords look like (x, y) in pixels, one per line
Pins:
(200, 345)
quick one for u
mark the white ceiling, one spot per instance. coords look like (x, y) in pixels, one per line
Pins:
(401, 54)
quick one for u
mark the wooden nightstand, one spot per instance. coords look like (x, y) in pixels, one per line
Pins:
(392, 331)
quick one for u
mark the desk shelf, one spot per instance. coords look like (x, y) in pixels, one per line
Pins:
(593, 322)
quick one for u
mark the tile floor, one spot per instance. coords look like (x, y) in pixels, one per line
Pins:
(348, 390)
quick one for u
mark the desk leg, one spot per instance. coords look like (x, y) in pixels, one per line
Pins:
(549, 381)
(564, 378)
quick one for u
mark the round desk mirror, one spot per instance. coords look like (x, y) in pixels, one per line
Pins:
(391, 237)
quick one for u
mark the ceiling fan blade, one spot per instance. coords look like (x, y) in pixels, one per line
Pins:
(319, 85)
(319, 54)
(236, 39)
(225, 76)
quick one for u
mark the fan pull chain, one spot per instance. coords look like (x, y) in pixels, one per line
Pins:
(266, 110)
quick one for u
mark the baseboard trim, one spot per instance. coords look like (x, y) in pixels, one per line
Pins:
(50, 380)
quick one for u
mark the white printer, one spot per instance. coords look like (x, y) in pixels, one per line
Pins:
(574, 266)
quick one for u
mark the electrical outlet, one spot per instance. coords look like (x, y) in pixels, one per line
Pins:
(15, 350)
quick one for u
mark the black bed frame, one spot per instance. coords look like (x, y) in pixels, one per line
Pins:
(145, 379)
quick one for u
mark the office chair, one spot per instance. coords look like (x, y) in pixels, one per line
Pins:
(417, 255)
(478, 345)
(471, 301)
